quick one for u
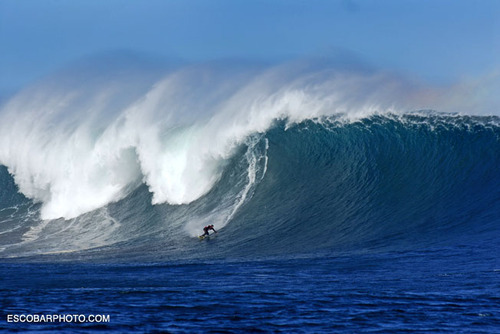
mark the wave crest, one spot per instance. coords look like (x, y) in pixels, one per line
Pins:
(78, 145)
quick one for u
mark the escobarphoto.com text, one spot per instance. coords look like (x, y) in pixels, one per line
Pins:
(74, 318)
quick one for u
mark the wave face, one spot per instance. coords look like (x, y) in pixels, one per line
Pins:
(281, 160)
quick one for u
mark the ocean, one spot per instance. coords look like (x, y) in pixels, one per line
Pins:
(337, 210)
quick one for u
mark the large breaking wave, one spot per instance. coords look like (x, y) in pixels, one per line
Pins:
(284, 159)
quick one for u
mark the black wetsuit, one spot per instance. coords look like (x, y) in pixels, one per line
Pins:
(208, 228)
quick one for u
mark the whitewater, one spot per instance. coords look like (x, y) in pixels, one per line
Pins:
(79, 145)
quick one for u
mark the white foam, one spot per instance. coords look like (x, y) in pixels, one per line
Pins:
(78, 147)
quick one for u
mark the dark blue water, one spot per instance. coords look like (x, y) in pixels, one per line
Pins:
(384, 224)
(439, 290)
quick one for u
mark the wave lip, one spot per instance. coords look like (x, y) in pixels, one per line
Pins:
(76, 146)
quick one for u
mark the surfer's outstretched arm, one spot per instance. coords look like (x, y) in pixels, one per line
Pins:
(208, 228)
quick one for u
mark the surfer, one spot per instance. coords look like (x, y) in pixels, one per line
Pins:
(208, 228)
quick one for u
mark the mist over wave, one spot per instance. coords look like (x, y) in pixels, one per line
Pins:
(77, 142)
(137, 160)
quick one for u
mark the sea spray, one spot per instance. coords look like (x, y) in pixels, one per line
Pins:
(78, 146)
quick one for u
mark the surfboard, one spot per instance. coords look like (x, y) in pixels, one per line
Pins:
(202, 237)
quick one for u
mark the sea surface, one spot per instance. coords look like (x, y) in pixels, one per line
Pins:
(448, 290)
(337, 209)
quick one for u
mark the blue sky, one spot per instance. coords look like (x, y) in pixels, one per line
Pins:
(435, 40)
